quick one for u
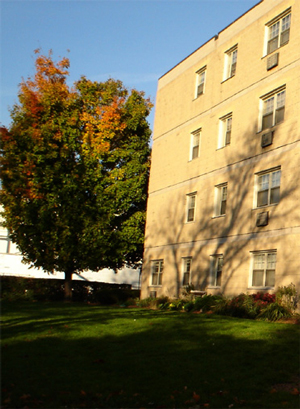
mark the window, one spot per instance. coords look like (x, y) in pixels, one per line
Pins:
(278, 31)
(230, 62)
(195, 144)
(268, 188)
(157, 267)
(191, 204)
(220, 199)
(186, 270)
(200, 81)
(216, 270)
(4, 239)
(273, 108)
(263, 272)
(225, 130)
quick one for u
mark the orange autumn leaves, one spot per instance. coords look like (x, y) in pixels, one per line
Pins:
(101, 126)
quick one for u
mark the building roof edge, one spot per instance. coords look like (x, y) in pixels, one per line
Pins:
(215, 37)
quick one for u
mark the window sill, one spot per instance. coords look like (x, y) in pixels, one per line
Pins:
(264, 207)
(219, 216)
(217, 287)
(222, 82)
(260, 288)
(155, 286)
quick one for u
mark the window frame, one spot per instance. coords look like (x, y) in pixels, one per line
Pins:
(191, 207)
(157, 273)
(267, 259)
(225, 133)
(216, 270)
(194, 146)
(200, 81)
(230, 62)
(220, 202)
(186, 271)
(278, 33)
(272, 108)
(267, 188)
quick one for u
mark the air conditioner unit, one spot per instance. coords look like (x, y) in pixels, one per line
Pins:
(267, 139)
(272, 61)
(153, 294)
(262, 219)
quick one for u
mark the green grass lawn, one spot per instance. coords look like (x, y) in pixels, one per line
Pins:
(57, 355)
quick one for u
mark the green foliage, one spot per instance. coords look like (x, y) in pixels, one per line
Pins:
(207, 302)
(32, 289)
(74, 168)
(275, 312)
(287, 296)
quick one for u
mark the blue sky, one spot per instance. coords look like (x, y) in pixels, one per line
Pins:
(135, 41)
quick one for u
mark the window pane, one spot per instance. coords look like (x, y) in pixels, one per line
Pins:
(262, 198)
(271, 261)
(274, 30)
(272, 45)
(190, 215)
(219, 278)
(286, 22)
(259, 262)
(279, 115)
(186, 279)
(257, 278)
(154, 278)
(195, 153)
(275, 181)
(275, 195)
(160, 279)
(263, 182)
(267, 121)
(270, 278)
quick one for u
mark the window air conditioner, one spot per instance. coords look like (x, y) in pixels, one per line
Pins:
(262, 219)
(272, 61)
(267, 139)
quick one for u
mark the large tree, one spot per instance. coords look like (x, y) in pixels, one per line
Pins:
(74, 170)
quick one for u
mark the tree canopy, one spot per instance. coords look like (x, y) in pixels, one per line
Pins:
(74, 170)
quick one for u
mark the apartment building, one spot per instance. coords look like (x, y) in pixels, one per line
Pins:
(224, 195)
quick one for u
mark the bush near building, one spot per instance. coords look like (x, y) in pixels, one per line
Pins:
(33, 289)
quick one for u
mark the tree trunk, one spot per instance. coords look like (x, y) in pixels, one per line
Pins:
(68, 286)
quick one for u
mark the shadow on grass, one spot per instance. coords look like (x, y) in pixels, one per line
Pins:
(82, 356)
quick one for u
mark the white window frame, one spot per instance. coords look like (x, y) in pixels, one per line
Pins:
(221, 192)
(216, 270)
(267, 186)
(230, 62)
(200, 82)
(263, 269)
(277, 32)
(186, 271)
(157, 268)
(272, 108)
(195, 144)
(191, 207)
(225, 130)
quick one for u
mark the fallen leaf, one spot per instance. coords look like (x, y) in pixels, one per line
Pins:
(196, 397)
(82, 392)
(295, 391)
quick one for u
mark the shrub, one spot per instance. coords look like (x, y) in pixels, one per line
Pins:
(207, 302)
(275, 312)
(287, 296)
(241, 306)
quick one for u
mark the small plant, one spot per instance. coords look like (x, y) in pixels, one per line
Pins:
(287, 297)
(275, 312)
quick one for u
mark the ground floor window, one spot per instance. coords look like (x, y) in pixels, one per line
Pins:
(263, 272)
(216, 270)
(157, 267)
(186, 273)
